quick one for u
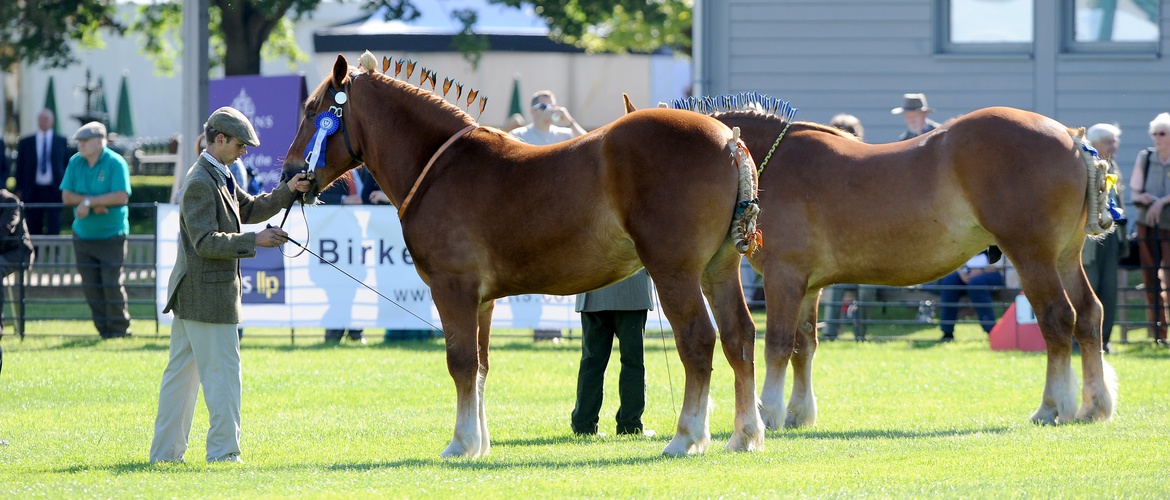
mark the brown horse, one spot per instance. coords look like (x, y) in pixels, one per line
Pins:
(836, 210)
(489, 216)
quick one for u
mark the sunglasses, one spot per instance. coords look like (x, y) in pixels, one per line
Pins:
(1160, 133)
(541, 106)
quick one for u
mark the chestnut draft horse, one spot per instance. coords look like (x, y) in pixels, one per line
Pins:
(837, 210)
(488, 216)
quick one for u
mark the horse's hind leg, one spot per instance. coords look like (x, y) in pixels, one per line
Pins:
(1056, 319)
(802, 406)
(1099, 390)
(682, 303)
(737, 334)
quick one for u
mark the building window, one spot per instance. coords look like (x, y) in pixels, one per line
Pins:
(981, 26)
(1112, 26)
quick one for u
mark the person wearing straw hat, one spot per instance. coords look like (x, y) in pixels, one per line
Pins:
(97, 185)
(204, 291)
(914, 110)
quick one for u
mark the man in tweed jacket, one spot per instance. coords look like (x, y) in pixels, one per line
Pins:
(616, 310)
(204, 291)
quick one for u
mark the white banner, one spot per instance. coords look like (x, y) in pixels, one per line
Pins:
(366, 242)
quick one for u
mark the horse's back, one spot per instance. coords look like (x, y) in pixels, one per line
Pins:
(991, 175)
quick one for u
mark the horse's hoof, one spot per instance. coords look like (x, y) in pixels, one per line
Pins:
(1044, 417)
(457, 450)
(741, 441)
(773, 418)
(681, 447)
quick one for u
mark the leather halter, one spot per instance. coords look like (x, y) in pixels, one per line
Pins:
(417, 182)
(341, 118)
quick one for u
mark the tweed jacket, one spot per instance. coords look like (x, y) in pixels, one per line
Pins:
(630, 294)
(205, 284)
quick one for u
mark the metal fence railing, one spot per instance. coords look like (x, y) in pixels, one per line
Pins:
(51, 290)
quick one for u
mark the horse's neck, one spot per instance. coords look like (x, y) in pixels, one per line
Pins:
(404, 132)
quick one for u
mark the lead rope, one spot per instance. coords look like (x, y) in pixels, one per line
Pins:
(669, 378)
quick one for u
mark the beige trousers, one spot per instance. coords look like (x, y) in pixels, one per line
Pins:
(207, 354)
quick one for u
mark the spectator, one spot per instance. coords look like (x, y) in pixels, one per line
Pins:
(16, 250)
(914, 110)
(618, 310)
(1101, 257)
(40, 165)
(205, 291)
(97, 183)
(344, 191)
(975, 278)
(514, 122)
(1150, 196)
(851, 124)
(848, 123)
(550, 124)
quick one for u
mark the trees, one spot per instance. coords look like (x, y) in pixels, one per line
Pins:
(34, 31)
(243, 30)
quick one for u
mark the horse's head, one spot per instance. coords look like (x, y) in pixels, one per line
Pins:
(323, 144)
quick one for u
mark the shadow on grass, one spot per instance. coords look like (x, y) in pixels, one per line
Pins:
(882, 434)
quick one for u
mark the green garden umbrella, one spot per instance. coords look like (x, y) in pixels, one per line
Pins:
(51, 105)
(516, 107)
(124, 120)
(100, 109)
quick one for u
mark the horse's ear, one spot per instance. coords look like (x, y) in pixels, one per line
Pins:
(340, 70)
(629, 105)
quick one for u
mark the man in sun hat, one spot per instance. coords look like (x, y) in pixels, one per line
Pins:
(97, 184)
(204, 291)
(914, 110)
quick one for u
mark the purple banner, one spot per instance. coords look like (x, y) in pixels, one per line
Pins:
(273, 104)
(263, 277)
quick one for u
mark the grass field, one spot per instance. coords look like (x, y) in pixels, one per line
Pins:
(897, 419)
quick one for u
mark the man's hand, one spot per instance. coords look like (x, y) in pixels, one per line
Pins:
(271, 237)
(82, 211)
(379, 198)
(299, 183)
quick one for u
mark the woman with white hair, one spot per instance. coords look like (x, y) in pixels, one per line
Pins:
(1151, 195)
(1101, 256)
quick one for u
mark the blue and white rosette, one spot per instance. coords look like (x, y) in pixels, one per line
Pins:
(327, 124)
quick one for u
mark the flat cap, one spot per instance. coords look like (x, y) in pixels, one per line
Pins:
(90, 130)
(233, 123)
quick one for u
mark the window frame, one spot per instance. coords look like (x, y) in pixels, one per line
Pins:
(1070, 44)
(944, 44)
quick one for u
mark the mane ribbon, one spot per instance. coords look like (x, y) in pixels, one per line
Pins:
(451, 140)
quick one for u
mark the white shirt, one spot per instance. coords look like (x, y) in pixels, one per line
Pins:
(532, 135)
(219, 167)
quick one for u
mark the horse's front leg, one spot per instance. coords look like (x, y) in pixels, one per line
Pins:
(802, 406)
(783, 293)
(460, 316)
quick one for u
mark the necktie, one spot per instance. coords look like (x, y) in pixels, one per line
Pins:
(46, 148)
(231, 181)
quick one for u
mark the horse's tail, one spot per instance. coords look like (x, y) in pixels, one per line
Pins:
(1101, 183)
(744, 234)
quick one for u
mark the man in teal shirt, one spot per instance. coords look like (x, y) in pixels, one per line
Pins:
(97, 184)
